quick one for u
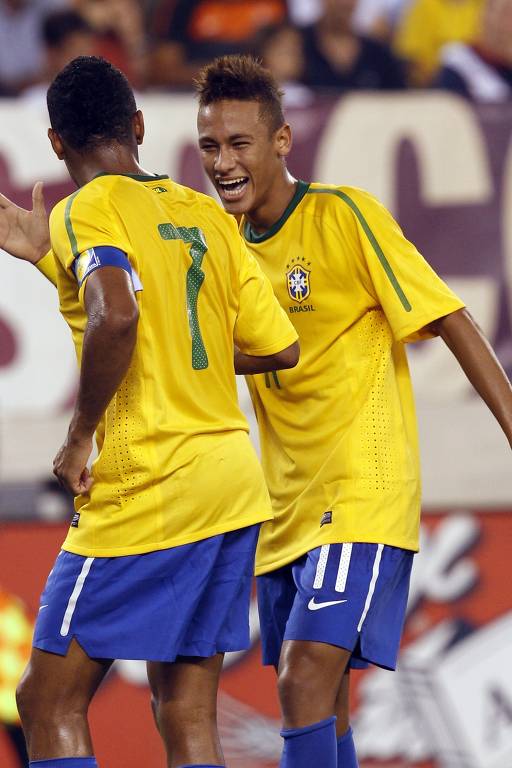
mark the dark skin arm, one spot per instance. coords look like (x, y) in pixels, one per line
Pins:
(109, 341)
(477, 359)
(287, 358)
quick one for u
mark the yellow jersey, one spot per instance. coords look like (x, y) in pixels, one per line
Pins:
(175, 463)
(338, 433)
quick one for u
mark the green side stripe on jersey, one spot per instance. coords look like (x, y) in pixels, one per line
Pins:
(69, 226)
(388, 269)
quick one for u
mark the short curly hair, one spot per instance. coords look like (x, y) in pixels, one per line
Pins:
(241, 78)
(90, 103)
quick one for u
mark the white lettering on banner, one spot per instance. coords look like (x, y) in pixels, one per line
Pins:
(358, 146)
(171, 127)
(360, 142)
(442, 572)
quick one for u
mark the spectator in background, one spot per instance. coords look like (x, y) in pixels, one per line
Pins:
(304, 12)
(378, 18)
(66, 35)
(15, 645)
(21, 45)
(281, 51)
(121, 36)
(198, 30)
(482, 72)
(426, 26)
(338, 57)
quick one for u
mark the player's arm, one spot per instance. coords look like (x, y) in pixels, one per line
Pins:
(108, 345)
(479, 362)
(265, 339)
(25, 234)
(287, 358)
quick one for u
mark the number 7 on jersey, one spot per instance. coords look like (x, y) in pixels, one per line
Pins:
(195, 277)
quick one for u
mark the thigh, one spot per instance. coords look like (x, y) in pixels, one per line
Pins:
(353, 596)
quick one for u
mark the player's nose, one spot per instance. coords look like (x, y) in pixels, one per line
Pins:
(224, 160)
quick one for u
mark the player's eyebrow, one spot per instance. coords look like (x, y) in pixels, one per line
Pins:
(232, 137)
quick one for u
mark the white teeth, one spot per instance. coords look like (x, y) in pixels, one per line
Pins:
(232, 182)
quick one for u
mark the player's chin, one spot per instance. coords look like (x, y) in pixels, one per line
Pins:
(238, 202)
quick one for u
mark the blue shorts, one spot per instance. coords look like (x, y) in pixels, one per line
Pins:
(191, 600)
(350, 595)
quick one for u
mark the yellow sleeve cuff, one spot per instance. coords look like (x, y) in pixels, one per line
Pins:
(46, 265)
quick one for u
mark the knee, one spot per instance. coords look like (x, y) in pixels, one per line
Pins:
(297, 681)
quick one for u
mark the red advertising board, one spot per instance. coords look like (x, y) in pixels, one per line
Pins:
(456, 643)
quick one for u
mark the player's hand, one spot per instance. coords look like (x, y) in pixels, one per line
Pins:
(70, 465)
(25, 234)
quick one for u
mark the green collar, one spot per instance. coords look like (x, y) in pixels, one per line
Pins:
(135, 176)
(253, 237)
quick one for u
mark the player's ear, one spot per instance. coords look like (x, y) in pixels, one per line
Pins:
(283, 140)
(56, 142)
(138, 126)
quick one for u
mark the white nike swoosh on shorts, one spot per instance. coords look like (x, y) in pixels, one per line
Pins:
(316, 606)
(43, 606)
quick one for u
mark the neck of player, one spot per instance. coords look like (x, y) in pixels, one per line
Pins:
(112, 158)
(273, 203)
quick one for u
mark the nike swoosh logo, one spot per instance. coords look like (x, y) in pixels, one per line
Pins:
(316, 606)
(44, 606)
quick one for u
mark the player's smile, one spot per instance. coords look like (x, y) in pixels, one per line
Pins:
(231, 189)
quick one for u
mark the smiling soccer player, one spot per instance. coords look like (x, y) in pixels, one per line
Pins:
(338, 433)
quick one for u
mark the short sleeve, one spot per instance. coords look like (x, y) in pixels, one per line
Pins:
(82, 222)
(410, 293)
(262, 327)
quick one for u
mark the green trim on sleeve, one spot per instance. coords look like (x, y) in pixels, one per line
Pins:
(69, 226)
(388, 269)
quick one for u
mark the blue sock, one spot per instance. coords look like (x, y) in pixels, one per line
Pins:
(312, 745)
(65, 762)
(347, 757)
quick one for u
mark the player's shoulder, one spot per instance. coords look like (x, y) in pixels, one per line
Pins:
(94, 191)
(206, 211)
(341, 197)
(200, 199)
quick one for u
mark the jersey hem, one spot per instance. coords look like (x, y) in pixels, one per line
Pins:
(260, 570)
(143, 549)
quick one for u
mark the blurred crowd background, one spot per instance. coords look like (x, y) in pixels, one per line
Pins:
(333, 45)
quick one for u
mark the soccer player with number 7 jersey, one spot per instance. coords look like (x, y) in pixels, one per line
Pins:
(164, 303)
(337, 433)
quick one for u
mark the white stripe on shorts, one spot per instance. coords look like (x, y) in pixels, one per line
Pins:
(66, 621)
(341, 579)
(371, 588)
(321, 566)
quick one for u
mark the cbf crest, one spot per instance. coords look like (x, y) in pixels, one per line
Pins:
(298, 280)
